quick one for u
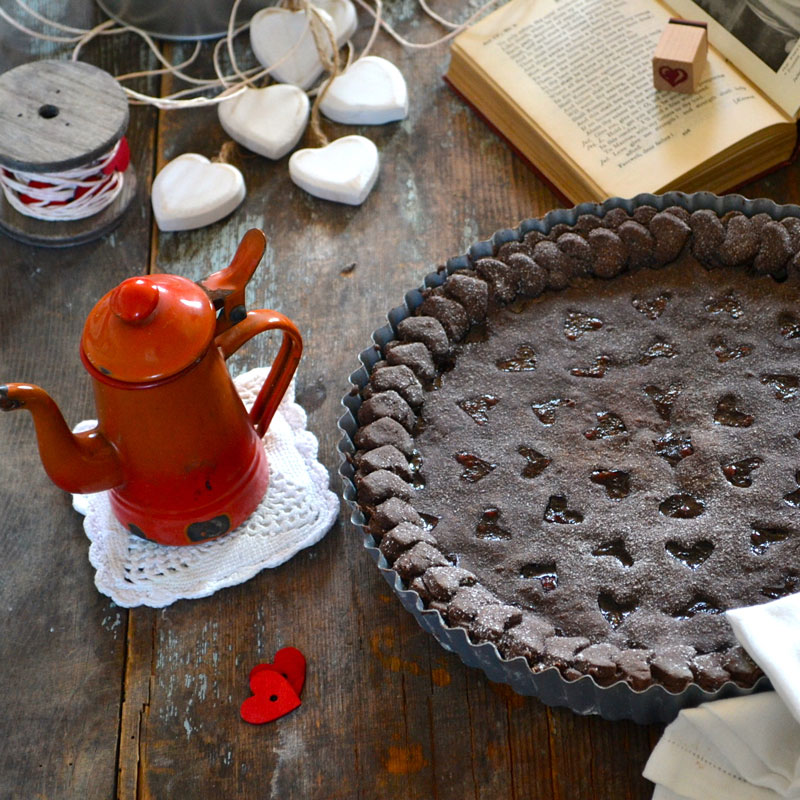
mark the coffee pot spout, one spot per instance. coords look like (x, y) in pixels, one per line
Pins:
(81, 463)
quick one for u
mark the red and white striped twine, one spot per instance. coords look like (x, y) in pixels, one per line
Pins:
(70, 195)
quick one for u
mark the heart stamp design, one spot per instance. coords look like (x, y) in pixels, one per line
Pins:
(372, 91)
(288, 662)
(273, 697)
(343, 171)
(191, 192)
(673, 75)
(267, 121)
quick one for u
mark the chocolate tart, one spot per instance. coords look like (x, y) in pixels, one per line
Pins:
(574, 447)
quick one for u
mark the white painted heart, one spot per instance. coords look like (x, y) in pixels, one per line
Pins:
(343, 14)
(268, 121)
(372, 91)
(192, 192)
(343, 171)
(282, 40)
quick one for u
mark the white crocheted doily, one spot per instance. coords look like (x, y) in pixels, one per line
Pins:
(297, 511)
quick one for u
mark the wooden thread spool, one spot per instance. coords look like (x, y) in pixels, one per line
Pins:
(57, 116)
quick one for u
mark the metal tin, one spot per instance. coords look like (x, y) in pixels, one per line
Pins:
(583, 696)
(201, 19)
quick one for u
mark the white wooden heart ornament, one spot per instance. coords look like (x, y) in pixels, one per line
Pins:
(343, 14)
(267, 121)
(371, 91)
(282, 41)
(191, 192)
(343, 171)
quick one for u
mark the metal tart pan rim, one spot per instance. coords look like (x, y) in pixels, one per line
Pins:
(619, 701)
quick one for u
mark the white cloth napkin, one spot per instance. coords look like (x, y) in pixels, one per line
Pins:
(742, 748)
(297, 511)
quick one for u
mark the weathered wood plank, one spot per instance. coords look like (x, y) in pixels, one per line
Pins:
(135, 707)
(387, 713)
(62, 644)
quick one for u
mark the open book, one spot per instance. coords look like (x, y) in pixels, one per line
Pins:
(569, 83)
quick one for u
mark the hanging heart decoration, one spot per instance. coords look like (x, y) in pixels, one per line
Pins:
(283, 42)
(267, 121)
(192, 192)
(343, 14)
(372, 91)
(343, 171)
(296, 45)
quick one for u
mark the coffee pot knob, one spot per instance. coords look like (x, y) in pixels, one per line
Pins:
(134, 300)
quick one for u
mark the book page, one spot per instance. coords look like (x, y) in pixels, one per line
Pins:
(759, 37)
(580, 71)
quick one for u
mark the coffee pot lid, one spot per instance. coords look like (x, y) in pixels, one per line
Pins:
(148, 328)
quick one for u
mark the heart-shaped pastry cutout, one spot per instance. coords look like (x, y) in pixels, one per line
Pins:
(272, 699)
(288, 662)
(372, 91)
(673, 75)
(693, 555)
(191, 192)
(283, 43)
(343, 171)
(615, 611)
(267, 121)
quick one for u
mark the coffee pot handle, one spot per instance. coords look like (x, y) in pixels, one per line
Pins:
(226, 287)
(283, 367)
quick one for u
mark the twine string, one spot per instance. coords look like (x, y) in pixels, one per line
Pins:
(325, 41)
(230, 85)
(226, 153)
(68, 195)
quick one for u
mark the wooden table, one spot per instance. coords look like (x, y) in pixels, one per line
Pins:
(100, 701)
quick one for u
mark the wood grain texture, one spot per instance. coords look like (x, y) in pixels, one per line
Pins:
(62, 644)
(103, 702)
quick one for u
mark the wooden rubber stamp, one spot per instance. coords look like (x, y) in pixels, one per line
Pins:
(680, 56)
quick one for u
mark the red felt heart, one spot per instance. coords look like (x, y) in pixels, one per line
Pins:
(673, 75)
(290, 663)
(274, 698)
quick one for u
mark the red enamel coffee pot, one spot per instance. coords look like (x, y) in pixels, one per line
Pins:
(183, 459)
